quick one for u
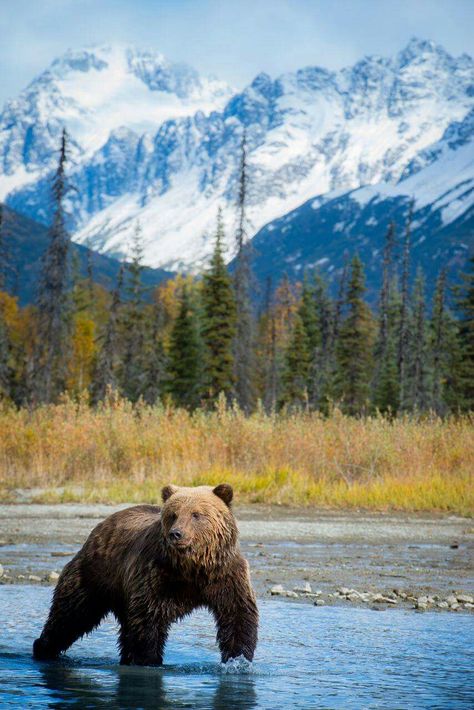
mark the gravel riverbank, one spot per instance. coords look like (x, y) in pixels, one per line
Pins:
(318, 557)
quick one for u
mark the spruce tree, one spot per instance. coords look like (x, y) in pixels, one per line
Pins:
(266, 351)
(385, 382)
(271, 378)
(417, 385)
(81, 299)
(354, 362)
(465, 306)
(404, 330)
(219, 315)
(243, 346)
(185, 373)
(5, 353)
(308, 313)
(133, 324)
(340, 301)
(438, 343)
(323, 361)
(3, 252)
(155, 361)
(105, 377)
(447, 392)
(52, 338)
(8, 268)
(297, 366)
(90, 273)
(5, 345)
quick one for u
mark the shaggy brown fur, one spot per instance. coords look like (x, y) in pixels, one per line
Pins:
(152, 566)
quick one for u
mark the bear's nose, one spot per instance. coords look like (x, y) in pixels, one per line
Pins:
(175, 534)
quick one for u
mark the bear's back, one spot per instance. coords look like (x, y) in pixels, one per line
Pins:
(110, 542)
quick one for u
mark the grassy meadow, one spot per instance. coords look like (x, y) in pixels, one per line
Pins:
(124, 453)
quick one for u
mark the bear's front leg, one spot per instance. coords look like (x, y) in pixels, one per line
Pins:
(142, 644)
(234, 607)
(144, 628)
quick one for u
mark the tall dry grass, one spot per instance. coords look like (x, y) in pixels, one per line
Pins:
(123, 453)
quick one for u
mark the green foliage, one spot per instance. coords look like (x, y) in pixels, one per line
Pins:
(5, 352)
(354, 361)
(185, 356)
(219, 323)
(133, 324)
(465, 305)
(155, 359)
(196, 341)
(53, 306)
(297, 366)
(418, 373)
(105, 377)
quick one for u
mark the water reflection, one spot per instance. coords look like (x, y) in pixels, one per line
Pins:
(125, 687)
(307, 657)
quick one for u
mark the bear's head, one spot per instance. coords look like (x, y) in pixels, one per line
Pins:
(198, 523)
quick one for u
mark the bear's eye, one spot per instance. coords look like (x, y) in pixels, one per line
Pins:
(172, 517)
(196, 516)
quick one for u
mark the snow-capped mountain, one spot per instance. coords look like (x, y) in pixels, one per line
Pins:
(157, 143)
(94, 92)
(323, 232)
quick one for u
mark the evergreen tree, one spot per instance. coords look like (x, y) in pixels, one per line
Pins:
(155, 361)
(243, 346)
(385, 383)
(266, 351)
(340, 301)
(133, 324)
(5, 351)
(417, 371)
(81, 296)
(90, 273)
(465, 305)
(3, 252)
(218, 329)
(271, 380)
(438, 338)
(51, 348)
(297, 366)
(354, 363)
(185, 381)
(322, 365)
(404, 331)
(105, 377)
(309, 316)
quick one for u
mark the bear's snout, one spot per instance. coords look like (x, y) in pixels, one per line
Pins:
(175, 534)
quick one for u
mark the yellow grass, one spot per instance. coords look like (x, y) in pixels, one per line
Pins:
(119, 453)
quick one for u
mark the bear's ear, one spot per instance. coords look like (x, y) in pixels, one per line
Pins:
(224, 492)
(167, 492)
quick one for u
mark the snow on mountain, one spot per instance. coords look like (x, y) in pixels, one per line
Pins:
(171, 163)
(94, 92)
(324, 231)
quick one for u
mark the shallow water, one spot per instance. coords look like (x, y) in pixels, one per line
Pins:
(308, 657)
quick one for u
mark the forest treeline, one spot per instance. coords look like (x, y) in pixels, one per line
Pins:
(196, 340)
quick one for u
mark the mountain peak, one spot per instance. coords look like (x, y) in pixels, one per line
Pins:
(158, 142)
(419, 48)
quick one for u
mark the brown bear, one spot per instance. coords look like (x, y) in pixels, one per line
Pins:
(151, 566)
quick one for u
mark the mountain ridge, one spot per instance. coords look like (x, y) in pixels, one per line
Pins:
(311, 134)
(26, 242)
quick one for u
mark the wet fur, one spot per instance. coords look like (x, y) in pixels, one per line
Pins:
(129, 566)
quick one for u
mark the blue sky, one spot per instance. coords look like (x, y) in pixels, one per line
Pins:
(233, 39)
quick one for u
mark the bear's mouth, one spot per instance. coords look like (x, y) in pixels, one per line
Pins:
(180, 545)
